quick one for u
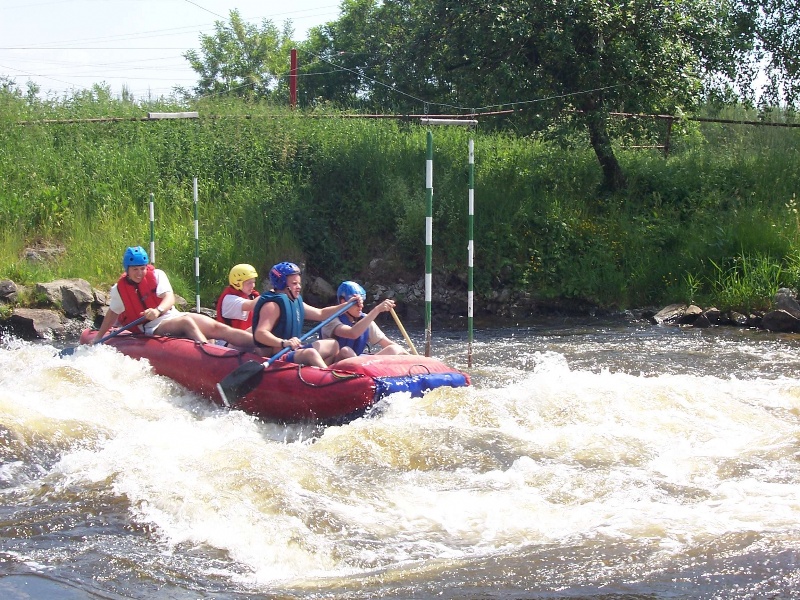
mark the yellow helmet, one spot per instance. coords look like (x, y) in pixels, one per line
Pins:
(241, 273)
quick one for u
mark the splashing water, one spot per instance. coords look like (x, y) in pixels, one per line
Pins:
(585, 460)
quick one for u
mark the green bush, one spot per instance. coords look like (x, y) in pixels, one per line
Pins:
(715, 221)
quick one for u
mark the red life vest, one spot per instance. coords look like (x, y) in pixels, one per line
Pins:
(237, 323)
(137, 298)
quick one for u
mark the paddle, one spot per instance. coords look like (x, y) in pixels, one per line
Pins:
(403, 331)
(71, 350)
(244, 378)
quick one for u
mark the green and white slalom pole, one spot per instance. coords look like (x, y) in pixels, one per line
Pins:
(196, 248)
(429, 217)
(428, 241)
(470, 250)
(152, 229)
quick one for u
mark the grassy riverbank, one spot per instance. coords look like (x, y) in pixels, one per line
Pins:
(716, 222)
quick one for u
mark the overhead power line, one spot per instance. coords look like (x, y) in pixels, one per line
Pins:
(204, 8)
(474, 110)
(109, 44)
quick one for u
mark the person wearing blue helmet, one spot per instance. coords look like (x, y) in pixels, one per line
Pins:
(144, 291)
(355, 331)
(278, 319)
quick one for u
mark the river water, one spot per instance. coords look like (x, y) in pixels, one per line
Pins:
(590, 459)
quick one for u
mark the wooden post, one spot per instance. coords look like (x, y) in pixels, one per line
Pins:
(669, 135)
(293, 79)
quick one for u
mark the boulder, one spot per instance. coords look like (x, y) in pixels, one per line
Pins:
(42, 253)
(670, 314)
(318, 291)
(702, 321)
(780, 321)
(74, 296)
(785, 300)
(690, 315)
(754, 319)
(8, 291)
(100, 297)
(737, 319)
(29, 323)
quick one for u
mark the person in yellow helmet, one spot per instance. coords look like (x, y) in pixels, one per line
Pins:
(236, 302)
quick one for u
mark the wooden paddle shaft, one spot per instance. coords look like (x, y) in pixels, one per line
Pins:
(403, 331)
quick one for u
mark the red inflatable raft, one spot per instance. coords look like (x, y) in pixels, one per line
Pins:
(285, 391)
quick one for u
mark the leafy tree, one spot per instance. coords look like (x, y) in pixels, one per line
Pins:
(584, 57)
(241, 59)
(777, 50)
(365, 58)
(581, 58)
(331, 62)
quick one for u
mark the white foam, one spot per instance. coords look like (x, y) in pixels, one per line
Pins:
(538, 454)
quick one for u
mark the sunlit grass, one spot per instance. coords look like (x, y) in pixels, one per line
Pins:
(715, 222)
(749, 283)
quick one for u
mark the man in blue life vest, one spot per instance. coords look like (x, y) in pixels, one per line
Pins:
(354, 330)
(144, 291)
(278, 320)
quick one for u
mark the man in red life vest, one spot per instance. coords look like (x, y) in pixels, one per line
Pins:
(143, 290)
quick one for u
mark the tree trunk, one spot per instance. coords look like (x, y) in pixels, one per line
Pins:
(613, 177)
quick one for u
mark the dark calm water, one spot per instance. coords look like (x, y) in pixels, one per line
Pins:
(590, 459)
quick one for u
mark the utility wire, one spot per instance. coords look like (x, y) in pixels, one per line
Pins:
(375, 81)
(204, 8)
(65, 44)
(455, 107)
(425, 103)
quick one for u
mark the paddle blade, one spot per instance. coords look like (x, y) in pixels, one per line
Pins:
(70, 351)
(239, 382)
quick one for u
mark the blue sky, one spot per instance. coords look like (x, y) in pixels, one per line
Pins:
(65, 45)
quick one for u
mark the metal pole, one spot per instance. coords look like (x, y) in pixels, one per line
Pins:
(470, 249)
(196, 248)
(152, 229)
(428, 242)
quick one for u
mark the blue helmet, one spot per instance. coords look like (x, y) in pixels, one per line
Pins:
(134, 257)
(279, 273)
(348, 289)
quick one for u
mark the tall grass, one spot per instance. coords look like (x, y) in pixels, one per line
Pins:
(714, 222)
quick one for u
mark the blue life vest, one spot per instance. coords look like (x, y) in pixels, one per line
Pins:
(291, 320)
(359, 344)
